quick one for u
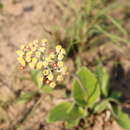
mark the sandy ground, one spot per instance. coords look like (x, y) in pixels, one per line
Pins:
(22, 21)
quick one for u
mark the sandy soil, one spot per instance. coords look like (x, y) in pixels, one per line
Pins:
(20, 22)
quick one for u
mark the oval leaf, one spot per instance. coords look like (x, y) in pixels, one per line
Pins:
(35, 77)
(59, 112)
(122, 118)
(99, 107)
(103, 78)
(26, 97)
(85, 87)
(66, 112)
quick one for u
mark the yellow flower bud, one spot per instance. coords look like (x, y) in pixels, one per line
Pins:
(45, 72)
(39, 65)
(32, 65)
(38, 54)
(60, 57)
(20, 52)
(42, 49)
(43, 58)
(58, 48)
(50, 77)
(35, 42)
(60, 78)
(45, 63)
(64, 70)
(44, 42)
(30, 45)
(34, 60)
(48, 59)
(29, 53)
(33, 49)
(35, 45)
(21, 60)
(28, 58)
(63, 51)
(60, 64)
(52, 55)
(52, 84)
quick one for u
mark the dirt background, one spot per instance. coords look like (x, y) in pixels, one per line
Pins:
(25, 20)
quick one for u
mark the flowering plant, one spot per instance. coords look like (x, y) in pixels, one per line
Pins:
(90, 92)
(91, 95)
(39, 56)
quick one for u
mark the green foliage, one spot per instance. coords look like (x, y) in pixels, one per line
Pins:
(114, 38)
(117, 24)
(110, 101)
(85, 92)
(103, 78)
(26, 97)
(90, 91)
(35, 77)
(59, 112)
(121, 117)
(46, 89)
(66, 112)
(99, 107)
(91, 21)
(85, 87)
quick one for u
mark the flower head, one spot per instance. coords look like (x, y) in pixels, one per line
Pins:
(38, 55)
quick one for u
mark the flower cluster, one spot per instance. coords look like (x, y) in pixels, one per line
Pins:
(38, 55)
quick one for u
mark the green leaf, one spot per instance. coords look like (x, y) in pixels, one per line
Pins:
(36, 78)
(59, 112)
(66, 112)
(117, 24)
(95, 94)
(99, 107)
(71, 124)
(85, 87)
(25, 97)
(122, 118)
(79, 94)
(103, 78)
(46, 89)
(76, 112)
(111, 36)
